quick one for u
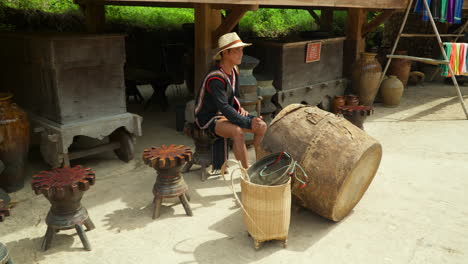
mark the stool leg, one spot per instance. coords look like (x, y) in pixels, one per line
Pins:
(89, 224)
(204, 173)
(183, 200)
(49, 236)
(187, 166)
(157, 206)
(9, 261)
(83, 237)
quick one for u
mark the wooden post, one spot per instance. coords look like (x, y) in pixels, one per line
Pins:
(355, 43)
(326, 19)
(207, 20)
(95, 16)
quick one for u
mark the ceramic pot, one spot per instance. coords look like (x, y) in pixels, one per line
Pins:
(366, 75)
(337, 102)
(400, 68)
(392, 90)
(14, 143)
(352, 99)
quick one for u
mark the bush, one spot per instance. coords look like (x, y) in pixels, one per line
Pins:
(150, 17)
(276, 23)
(52, 6)
(262, 23)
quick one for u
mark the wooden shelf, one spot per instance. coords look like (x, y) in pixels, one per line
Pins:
(423, 60)
(430, 35)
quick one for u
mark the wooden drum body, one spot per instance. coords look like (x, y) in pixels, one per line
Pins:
(340, 159)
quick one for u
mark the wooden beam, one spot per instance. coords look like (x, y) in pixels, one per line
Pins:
(326, 18)
(381, 4)
(207, 20)
(316, 17)
(354, 43)
(371, 26)
(95, 17)
(187, 4)
(148, 4)
(230, 22)
(228, 4)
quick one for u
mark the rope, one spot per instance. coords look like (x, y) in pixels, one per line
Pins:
(290, 173)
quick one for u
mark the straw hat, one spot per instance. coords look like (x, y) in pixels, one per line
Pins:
(228, 41)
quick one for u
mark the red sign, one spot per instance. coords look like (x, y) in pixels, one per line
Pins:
(313, 52)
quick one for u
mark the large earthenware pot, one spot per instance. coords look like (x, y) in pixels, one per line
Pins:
(366, 75)
(400, 68)
(392, 90)
(14, 143)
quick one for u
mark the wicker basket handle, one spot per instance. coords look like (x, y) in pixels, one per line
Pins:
(246, 177)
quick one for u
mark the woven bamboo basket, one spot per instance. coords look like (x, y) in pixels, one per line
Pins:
(267, 211)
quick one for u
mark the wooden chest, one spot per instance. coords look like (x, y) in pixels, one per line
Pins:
(64, 77)
(286, 62)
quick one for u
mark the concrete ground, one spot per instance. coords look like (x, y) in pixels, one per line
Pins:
(415, 210)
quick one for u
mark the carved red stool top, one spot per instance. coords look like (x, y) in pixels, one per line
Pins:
(165, 157)
(350, 109)
(55, 181)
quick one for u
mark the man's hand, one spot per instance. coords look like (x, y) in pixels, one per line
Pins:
(257, 122)
(242, 112)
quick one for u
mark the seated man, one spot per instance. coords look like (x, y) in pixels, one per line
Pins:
(217, 108)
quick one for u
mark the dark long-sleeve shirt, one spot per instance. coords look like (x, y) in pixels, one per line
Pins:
(218, 99)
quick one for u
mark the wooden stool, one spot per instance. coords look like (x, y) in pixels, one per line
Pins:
(167, 161)
(203, 141)
(64, 188)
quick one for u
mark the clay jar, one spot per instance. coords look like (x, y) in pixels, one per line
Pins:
(366, 75)
(337, 102)
(14, 143)
(352, 99)
(392, 90)
(400, 68)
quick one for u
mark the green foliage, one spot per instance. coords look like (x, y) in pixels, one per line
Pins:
(53, 6)
(150, 17)
(374, 38)
(339, 22)
(4, 26)
(270, 23)
(276, 22)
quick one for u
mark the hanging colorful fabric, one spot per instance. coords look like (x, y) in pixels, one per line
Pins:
(448, 51)
(457, 58)
(458, 11)
(450, 11)
(420, 8)
(443, 11)
(462, 67)
(435, 9)
(454, 63)
(465, 67)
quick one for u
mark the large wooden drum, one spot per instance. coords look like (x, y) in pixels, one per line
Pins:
(339, 158)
